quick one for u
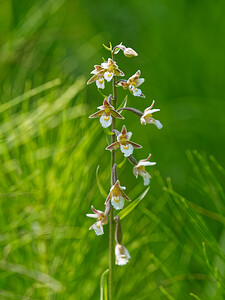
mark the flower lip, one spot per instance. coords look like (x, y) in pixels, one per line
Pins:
(122, 255)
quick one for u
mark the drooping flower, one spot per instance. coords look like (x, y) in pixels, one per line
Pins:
(102, 219)
(128, 52)
(121, 252)
(122, 255)
(98, 77)
(147, 117)
(132, 84)
(117, 196)
(106, 111)
(111, 69)
(123, 141)
(139, 169)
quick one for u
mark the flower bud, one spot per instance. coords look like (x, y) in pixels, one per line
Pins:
(129, 52)
(118, 232)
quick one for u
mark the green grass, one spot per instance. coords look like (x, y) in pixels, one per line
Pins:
(50, 150)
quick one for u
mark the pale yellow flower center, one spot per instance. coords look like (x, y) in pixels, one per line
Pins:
(117, 199)
(148, 116)
(100, 80)
(141, 168)
(116, 192)
(107, 110)
(106, 118)
(125, 146)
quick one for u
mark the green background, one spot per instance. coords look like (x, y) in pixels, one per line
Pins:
(49, 149)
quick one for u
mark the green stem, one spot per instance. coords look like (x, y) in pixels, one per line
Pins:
(111, 217)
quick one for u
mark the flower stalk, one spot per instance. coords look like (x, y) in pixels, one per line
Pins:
(108, 113)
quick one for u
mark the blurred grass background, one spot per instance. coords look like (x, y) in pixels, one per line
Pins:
(49, 149)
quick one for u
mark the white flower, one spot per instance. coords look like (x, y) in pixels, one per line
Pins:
(102, 219)
(98, 77)
(111, 69)
(139, 169)
(122, 255)
(132, 84)
(147, 117)
(124, 143)
(117, 196)
(106, 111)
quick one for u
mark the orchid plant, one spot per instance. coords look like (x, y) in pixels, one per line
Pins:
(107, 114)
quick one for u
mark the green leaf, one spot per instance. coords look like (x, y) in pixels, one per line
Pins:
(103, 285)
(104, 96)
(107, 48)
(165, 293)
(122, 163)
(122, 214)
(124, 103)
(107, 131)
(194, 296)
(101, 189)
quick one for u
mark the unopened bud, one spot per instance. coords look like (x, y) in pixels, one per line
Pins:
(129, 52)
(118, 232)
(114, 175)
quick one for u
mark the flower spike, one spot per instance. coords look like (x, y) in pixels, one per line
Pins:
(147, 117)
(139, 169)
(117, 196)
(106, 111)
(123, 141)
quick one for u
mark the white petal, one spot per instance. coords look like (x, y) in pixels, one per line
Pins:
(122, 187)
(158, 124)
(139, 81)
(108, 75)
(105, 65)
(106, 121)
(126, 149)
(117, 202)
(98, 228)
(129, 135)
(122, 255)
(146, 178)
(146, 163)
(152, 111)
(143, 122)
(137, 92)
(92, 215)
(100, 83)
